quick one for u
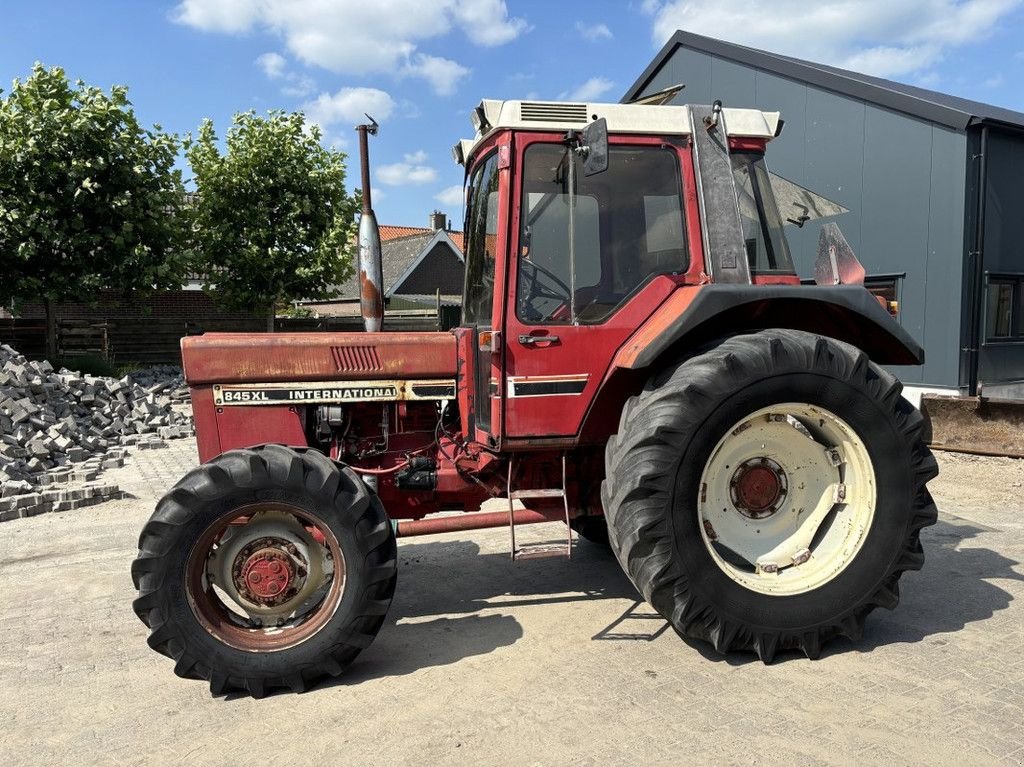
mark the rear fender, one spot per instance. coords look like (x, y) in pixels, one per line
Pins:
(692, 317)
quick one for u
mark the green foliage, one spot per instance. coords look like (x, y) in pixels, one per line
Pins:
(295, 311)
(88, 198)
(272, 219)
(89, 364)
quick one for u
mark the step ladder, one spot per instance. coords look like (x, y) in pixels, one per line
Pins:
(537, 551)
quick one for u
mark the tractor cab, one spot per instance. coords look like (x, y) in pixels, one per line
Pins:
(581, 219)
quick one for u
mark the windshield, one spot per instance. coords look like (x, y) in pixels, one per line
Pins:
(767, 249)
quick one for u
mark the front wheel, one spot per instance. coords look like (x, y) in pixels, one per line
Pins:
(265, 568)
(768, 493)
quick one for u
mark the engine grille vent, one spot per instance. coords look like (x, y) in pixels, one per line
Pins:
(533, 111)
(356, 359)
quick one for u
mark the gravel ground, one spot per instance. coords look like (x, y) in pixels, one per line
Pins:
(545, 662)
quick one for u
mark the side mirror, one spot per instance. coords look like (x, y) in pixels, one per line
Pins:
(595, 139)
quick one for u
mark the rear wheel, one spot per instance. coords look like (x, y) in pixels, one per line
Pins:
(265, 568)
(769, 493)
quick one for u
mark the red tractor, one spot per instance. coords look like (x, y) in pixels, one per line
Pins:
(637, 358)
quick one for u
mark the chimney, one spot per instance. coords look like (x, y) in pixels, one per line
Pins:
(438, 220)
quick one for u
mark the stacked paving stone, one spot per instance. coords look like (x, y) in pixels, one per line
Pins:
(59, 430)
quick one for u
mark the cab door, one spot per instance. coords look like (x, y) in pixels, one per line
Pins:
(487, 218)
(570, 308)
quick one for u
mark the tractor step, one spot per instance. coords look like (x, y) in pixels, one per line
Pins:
(543, 551)
(553, 492)
(540, 551)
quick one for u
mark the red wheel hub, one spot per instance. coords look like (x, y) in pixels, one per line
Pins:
(758, 487)
(266, 575)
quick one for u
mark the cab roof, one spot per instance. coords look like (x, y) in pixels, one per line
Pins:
(492, 115)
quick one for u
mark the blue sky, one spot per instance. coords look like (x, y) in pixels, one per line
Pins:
(419, 66)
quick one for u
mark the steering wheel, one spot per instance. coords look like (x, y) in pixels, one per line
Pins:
(531, 288)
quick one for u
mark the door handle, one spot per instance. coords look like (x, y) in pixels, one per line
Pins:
(532, 340)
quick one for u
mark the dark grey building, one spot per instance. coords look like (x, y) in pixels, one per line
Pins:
(934, 185)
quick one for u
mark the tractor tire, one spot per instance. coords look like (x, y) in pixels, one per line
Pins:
(768, 493)
(265, 568)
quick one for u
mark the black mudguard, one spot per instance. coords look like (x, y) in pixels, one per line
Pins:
(847, 313)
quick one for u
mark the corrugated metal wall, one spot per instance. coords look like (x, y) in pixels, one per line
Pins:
(901, 178)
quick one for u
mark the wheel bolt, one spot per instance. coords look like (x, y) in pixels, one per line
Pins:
(801, 556)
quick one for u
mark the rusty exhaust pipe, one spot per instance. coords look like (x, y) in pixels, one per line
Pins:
(371, 270)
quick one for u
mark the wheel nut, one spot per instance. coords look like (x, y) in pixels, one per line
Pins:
(801, 556)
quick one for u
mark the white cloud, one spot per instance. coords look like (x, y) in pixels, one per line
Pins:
(411, 171)
(349, 105)
(594, 32)
(442, 74)
(358, 36)
(591, 90)
(275, 67)
(220, 16)
(486, 22)
(452, 195)
(878, 37)
(272, 64)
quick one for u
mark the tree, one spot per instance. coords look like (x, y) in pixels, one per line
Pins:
(272, 219)
(88, 199)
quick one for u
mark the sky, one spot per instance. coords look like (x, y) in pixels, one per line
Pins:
(420, 66)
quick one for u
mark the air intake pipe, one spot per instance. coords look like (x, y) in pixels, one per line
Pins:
(371, 270)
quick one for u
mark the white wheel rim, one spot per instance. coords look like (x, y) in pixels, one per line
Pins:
(786, 499)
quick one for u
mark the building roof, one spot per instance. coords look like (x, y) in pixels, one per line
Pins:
(388, 233)
(941, 108)
(400, 254)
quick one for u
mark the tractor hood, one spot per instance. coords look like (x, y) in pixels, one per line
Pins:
(219, 358)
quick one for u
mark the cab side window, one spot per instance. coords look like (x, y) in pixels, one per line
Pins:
(628, 226)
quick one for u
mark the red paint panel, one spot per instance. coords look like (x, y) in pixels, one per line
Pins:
(746, 144)
(466, 378)
(250, 426)
(696, 273)
(658, 323)
(204, 412)
(270, 357)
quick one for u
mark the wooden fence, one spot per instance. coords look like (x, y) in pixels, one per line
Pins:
(151, 341)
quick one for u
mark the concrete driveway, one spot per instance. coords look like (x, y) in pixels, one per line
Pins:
(484, 662)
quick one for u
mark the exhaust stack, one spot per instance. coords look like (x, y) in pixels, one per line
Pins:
(371, 270)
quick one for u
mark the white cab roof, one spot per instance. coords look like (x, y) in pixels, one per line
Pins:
(622, 118)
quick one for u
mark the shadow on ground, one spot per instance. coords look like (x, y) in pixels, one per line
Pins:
(443, 585)
(952, 590)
